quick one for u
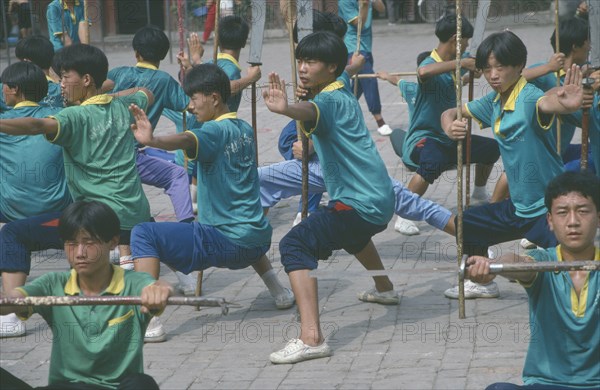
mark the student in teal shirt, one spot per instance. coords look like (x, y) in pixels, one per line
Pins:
(520, 116)
(362, 199)
(564, 309)
(66, 16)
(231, 231)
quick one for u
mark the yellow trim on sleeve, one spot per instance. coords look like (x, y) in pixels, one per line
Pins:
(539, 118)
(57, 33)
(26, 103)
(229, 115)
(352, 20)
(301, 123)
(146, 65)
(121, 319)
(229, 57)
(473, 116)
(57, 131)
(185, 151)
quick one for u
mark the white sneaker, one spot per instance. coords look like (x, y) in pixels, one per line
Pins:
(296, 351)
(526, 244)
(155, 333)
(11, 326)
(406, 227)
(285, 300)
(126, 262)
(187, 283)
(479, 199)
(385, 298)
(474, 290)
(385, 130)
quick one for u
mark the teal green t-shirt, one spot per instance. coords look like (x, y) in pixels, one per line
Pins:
(527, 147)
(33, 173)
(97, 345)
(228, 185)
(348, 11)
(431, 98)
(99, 155)
(353, 170)
(232, 69)
(166, 90)
(564, 349)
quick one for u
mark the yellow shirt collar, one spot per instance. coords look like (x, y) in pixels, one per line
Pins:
(512, 99)
(117, 283)
(333, 86)
(560, 258)
(225, 56)
(147, 65)
(48, 78)
(65, 6)
(229, 115)
(98, 99)
(436, 57)
(26, 103)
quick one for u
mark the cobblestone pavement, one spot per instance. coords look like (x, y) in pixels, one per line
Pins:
(419, 344)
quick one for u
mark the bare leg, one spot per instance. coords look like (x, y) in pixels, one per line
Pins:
(263, 265)
(482, 173)
(418, 185)
(306, 292)
(501, 189)
(12, 280)
(369, 258)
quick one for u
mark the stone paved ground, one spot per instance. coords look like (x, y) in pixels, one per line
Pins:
(419, 344)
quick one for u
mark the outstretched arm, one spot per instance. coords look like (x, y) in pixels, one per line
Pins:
(277, 102)
(431, 70)
(142, 131)
(19, 310)
(479, 268)
(29, 126)
(554, 64)
(455, 129)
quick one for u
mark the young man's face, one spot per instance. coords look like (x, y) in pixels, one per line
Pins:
(87, 254)
(580, 53)
(315, 74)
(501, 77)
(204, 107)
(73, 86)
(574, 220)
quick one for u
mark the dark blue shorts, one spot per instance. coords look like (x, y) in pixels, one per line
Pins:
(334, 227)
(435, 157)
(494, 223)
(189, 247)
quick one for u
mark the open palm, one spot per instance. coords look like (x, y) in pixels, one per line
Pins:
(275, 95)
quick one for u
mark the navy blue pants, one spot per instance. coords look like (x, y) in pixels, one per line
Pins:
(368, 85)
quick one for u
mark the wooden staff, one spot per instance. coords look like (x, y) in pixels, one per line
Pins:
(459, 158)
(374, 75)
(86, 22)
(557, 44)
(5, 30)
(62, 19)
(217, 17)
(585, 128)
(468, 145)
(358, 34)
(108, 300)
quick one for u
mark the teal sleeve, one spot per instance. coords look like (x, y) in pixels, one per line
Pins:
(210, 141)
(347, 10)
(41, 287)
(71, 126)
(483, 109)
(176, 100)
(54, 19)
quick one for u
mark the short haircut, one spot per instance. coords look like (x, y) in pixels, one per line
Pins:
(508, 49)
(29, 78)
(207, 79)
(96, 218)
(421, 57)
(233, 32)
(325, 22)
(585, 183)
(84, 59)
(37, 49)
(445, 28)
(56, 62)
(151, 43)
(326, 47)
(573, 31)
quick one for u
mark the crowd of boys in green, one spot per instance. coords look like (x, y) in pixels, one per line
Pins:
(98, 130)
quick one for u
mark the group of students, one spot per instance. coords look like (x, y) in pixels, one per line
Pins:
(100, 163)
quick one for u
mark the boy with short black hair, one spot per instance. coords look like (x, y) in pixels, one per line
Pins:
(427, 150)
(98, 152)
(33, 173)
(151, 46)
(88, 231)
(563, 306)
(521, 117)
(362, 199)
(231, 231)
